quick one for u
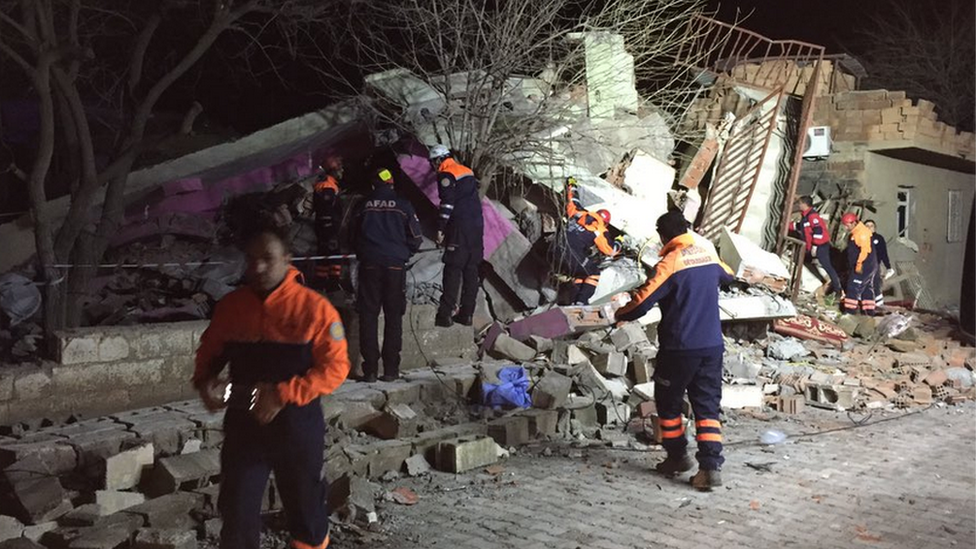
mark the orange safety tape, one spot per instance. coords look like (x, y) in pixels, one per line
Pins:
(673, 434)
(708, 423)
(709, 437)
(670, 422)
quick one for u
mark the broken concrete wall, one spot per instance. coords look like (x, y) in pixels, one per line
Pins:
(104, 370)
(283, 140)
(504, 246)
(108, 369)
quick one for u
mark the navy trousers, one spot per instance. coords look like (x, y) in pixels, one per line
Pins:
(823, 257)
(699, 374)
(292, 446)
(860, 289)
(381, 288)
(460, 275)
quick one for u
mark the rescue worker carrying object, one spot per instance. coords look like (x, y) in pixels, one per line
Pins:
(685, 284)
(387, 234)
(574, 252)
(863, 263)
(461, 232)
(813, 230)
(285, 346)
(328, 218)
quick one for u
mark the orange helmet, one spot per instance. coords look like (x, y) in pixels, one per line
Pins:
(604, 215)
(849, 217)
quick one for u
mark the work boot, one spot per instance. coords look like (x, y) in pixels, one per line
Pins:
(706, 479)
(462, 320)
(443, 322)
(369, 378)
(672, 466)
(388, 377)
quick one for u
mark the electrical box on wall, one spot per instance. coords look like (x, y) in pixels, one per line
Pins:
(818, 142)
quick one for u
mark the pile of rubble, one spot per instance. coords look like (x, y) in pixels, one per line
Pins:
(859, 363)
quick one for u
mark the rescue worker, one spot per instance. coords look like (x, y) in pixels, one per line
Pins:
(685, 284)
(460, 231)
(284, 345)
(388, 233)
(863, 263)
(813, 230)
(328, 218)
(576, 255)
(884, 263)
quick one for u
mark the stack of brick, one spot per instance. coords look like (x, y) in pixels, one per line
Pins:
(886, 116)
(794, 76)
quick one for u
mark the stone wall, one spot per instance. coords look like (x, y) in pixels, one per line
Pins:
(889, 118)
(105, 370)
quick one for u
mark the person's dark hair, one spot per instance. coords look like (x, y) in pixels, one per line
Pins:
(866, 221)
(806, 199)
(671, 224)
(261, 228)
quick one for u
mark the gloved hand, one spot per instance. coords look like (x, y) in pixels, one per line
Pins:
(813, 251)
(439, 239)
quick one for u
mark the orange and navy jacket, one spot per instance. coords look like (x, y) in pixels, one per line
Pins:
(813, 229)
(325, 201)
(293, 338)
(586, 230)
(460, 210)
(685, 283)
(859, 247)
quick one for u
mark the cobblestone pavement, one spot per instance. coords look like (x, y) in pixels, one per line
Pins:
(905, 483)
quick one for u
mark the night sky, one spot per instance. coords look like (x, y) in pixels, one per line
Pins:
(833, 24)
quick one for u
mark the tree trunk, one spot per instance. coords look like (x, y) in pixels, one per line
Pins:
(43, 232)
(80, 278)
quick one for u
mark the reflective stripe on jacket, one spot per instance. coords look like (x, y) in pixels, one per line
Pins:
(294, 337)
(685, 284)
(813, 228)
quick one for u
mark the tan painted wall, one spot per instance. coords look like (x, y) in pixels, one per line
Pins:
(939, 261)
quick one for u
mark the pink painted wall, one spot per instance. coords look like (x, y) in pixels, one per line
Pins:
(497, 228)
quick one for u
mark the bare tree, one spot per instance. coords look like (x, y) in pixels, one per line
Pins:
(475, 55)
(927, 49)
(123, 55)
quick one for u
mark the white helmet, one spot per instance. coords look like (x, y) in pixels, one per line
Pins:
(439, 151)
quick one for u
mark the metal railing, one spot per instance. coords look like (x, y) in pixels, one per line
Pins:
(721, 47)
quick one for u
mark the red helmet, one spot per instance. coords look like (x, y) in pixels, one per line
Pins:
(604, 215)
(332, 163)
(848, 218)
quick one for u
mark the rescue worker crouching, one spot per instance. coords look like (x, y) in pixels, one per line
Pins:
(328, 216)
(575, 252)
(387, 234)
(461, 233)
(863, 263)
(685, 285)
(284, 345)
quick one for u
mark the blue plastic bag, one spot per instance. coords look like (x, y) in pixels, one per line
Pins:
(513, 391)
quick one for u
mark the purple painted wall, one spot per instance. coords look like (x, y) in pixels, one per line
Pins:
(497, 228)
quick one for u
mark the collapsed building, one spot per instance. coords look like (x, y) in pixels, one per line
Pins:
(762, 111)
